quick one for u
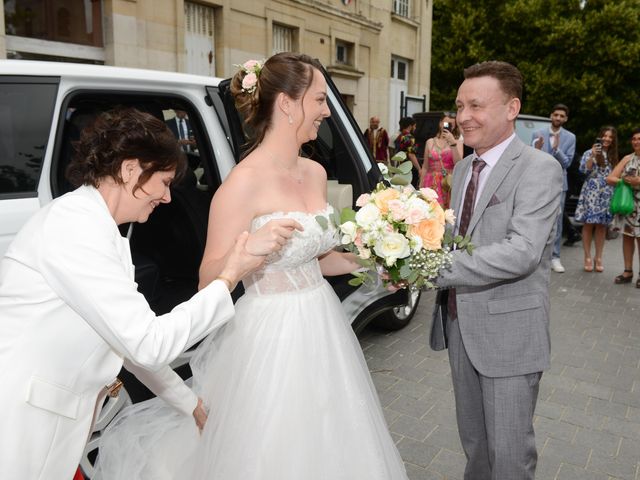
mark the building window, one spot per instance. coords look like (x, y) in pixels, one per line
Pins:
(69, 21)
(399, 69)
(344, 53)
(401, 7)
(199, 39)
(283, 38)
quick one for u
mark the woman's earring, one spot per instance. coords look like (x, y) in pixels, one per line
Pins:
(290, 120)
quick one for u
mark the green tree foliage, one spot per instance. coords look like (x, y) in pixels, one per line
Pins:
(585, 54)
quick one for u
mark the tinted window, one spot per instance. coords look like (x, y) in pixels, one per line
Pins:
(525, 128)
(25, 120)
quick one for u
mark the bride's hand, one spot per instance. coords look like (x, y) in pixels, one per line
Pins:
(200, 415)
(272, 236)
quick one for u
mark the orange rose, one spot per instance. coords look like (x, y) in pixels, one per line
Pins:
(431, 232)
(382, 199)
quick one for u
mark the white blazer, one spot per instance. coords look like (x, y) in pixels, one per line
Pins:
(70, 314)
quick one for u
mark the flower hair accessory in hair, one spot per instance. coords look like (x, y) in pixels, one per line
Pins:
(252, 69)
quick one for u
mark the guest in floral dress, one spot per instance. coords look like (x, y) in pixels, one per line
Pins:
(628, 170)
(595, 196)
(441, 153)
(406, 142)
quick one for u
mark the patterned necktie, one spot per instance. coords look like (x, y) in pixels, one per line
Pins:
(183, 133)
(465, 218)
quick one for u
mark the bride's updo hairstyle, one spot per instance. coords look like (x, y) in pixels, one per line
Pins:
(255, 96)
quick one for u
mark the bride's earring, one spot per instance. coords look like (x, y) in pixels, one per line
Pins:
(290, 120)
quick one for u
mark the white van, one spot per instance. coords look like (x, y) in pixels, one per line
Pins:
(43, 108)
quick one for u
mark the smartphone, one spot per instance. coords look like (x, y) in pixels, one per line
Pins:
(446, 126)
(598, 141)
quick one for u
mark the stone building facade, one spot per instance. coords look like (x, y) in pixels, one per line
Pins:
(376, 51)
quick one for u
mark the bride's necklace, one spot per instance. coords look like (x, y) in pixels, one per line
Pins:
(290, 171)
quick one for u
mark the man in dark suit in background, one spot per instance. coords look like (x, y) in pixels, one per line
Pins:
(181, 128)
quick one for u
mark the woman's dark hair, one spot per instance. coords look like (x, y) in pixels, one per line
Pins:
(612, 151)
(123, 134)
(288, 73)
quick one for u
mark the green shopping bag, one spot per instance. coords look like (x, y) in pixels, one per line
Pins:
(622, 202)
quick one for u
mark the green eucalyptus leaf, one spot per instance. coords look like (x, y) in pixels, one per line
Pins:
(405, 271)
(347, 215)
(399, 157)
(356, 281)
(405, 167)
(335, 219)
(464, 242)
(322, 221)
(401, 179)
(457, 239)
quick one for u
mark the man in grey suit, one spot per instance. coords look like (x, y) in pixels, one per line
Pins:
(561, 145)
(507, 198)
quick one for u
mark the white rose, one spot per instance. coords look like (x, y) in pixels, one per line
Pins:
(429, 194)
(349, 230)
(417, 210)
(367, 215)
(392, 247)
(449, 217)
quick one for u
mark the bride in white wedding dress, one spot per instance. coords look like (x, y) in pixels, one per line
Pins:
(288, 393)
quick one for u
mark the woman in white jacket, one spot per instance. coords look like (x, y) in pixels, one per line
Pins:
(70, 313)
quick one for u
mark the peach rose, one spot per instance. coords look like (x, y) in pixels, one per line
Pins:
(382, 198)
(431, 232)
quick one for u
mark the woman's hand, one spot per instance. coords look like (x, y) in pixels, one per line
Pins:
(272, 236)
(632, 180)
(449, 138)
(200, 415)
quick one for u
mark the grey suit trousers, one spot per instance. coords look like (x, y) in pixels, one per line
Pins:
(495, 417)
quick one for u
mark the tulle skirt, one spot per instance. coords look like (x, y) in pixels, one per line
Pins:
(289, 397)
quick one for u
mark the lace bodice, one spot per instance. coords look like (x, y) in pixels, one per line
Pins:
(295, 266)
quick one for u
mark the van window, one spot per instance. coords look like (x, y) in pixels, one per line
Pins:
(25, 120)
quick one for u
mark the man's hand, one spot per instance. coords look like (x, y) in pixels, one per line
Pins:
(200, 415)
(539, 142)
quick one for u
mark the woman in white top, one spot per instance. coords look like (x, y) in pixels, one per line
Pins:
(70, 312)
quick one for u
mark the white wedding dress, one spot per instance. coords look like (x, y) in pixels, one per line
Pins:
(288, 390)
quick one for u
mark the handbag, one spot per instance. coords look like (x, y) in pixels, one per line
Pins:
(622, 202)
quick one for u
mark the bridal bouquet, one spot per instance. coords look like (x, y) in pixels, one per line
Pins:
(400, 234)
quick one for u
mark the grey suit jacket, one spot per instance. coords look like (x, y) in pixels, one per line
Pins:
(503, 287)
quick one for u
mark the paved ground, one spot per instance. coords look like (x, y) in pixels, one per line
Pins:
(588, 414)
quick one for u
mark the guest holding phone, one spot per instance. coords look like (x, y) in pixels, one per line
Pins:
(560, 143)
(441, 153)
(627, 171)
(595, 196)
